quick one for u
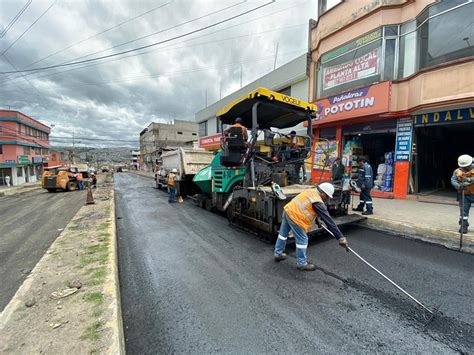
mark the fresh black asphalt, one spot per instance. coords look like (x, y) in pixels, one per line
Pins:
(190, 283)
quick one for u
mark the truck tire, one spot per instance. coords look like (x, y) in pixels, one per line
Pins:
(71, 186)
(51, 190)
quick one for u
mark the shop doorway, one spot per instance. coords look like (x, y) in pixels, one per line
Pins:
(437, 150)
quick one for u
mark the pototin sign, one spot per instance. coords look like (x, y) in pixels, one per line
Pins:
(366, 101)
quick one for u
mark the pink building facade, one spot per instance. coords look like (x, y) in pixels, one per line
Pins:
(24, 148)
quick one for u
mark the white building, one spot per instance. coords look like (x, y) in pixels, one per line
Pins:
(290, 79)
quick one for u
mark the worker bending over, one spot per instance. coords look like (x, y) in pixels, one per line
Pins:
(299, 215)
(463, 181)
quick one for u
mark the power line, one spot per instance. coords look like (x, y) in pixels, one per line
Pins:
(99, 33)
(13, 43)
(159, 75)
(146, 46)
(17, 16)
(169, 46)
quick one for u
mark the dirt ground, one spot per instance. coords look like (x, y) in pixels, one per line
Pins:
(67, 304)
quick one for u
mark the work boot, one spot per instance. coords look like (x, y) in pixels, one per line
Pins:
(463, 229)
(359, 208)
(307, 267)
(367, 213)
(280, 257)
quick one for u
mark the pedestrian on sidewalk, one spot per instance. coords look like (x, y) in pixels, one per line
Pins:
(365, 182)
(299, 215)
(463, 181)
(171, 182)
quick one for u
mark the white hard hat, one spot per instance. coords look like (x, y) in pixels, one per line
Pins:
(174, 170)
(464, 160)
(327, 188)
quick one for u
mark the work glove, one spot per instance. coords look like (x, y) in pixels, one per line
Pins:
(343, 242)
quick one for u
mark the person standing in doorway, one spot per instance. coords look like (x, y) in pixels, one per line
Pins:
(366, 182)
(463, 181)
(337, 170)
(171, 182)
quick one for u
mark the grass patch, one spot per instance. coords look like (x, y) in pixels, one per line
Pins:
(103, 226)
(98, 248)
(74, 227)
(98, 312)
(100, 258)
(97, 277)
(94, 297)
(92, 332)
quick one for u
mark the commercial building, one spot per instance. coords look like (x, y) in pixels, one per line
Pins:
(158, 136)
(135, 159)
(24, 147)
(394, 82)
(289, 79)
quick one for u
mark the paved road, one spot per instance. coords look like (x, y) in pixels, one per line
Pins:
(29, 223)
(192, 284)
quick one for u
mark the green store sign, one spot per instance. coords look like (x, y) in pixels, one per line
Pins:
(23, 159)
(361, 41)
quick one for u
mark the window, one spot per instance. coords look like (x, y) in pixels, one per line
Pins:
(26, 150)
(389, 63)
(203, 129)
(53, 156)
(285, 91)
(44, 151)
(447, 37)
(180, 132)
(194, 134)
(37, 151)
(19, 171)
(218, 126)
(1, 149)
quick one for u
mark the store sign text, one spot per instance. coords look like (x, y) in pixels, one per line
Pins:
(404, 136)
(445, 116)
(366, 101)
(359, 68)
(210, 141)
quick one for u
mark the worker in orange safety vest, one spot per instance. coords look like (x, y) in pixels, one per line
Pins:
(171, 182)
(299, 215)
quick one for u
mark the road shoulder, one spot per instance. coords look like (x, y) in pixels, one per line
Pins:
(70, 302)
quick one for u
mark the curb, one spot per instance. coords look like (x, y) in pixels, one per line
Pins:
(446, 238)
(112, 287)
(18, 190)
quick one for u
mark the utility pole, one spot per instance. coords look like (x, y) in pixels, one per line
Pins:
(276, 56)
(73, 147)
(241, 70)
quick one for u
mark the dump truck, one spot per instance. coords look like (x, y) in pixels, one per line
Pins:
(246, 178)
(59, 178)
(188, 161)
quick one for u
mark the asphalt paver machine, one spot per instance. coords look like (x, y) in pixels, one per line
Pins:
(251, 181)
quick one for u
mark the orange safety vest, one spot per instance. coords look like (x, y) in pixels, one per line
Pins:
(300, 209)
(243, 129)
(171, 181)
(79, 177)
(469, 174)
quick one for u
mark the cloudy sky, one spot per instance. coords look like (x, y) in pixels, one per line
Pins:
(115, 98)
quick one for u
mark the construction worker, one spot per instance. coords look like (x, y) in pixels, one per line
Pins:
(80, 183)
(365, 182)
(171, 182)
(463, 181)
(299, 215)
(238, 124)
(93, 181)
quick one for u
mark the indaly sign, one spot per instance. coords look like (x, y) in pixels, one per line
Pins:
(362, 102)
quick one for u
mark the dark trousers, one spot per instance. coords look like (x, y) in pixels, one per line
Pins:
(172, 195)
(366, 200)
(464, 210)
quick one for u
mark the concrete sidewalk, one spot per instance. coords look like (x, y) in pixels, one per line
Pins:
(431, 222)
(12, 190)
